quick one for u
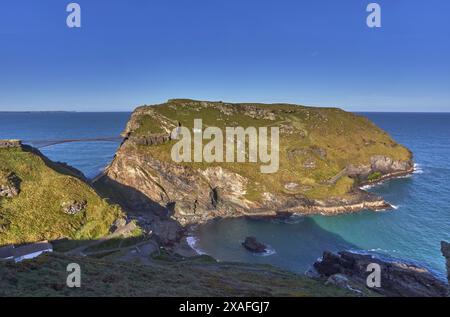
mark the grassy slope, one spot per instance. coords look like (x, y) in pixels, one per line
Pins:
(201, 276)
(36, 213)
(346, 137)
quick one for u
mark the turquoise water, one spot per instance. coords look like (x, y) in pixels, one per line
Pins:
(412, 231)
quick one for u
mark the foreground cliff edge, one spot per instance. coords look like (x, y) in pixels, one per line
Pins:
(325, 156)
(44, 200)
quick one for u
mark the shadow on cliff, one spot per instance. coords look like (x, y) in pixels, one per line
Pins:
(132, 201)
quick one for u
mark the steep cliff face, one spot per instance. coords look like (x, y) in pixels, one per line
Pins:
(325, 154)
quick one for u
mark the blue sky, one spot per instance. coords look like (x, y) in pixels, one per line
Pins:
(133, 52)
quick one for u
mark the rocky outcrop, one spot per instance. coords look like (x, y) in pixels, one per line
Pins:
(397, 278)
(9, 184)
(381, 167)
(253, 245)
(73, 207)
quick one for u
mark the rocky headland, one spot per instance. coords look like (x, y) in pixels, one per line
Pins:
(326, 155)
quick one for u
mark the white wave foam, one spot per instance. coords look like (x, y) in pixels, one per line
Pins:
(418, 169)
(269, 251)
(192, 242)
(395, 207)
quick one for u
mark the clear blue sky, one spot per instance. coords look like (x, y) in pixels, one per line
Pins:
(316, 52)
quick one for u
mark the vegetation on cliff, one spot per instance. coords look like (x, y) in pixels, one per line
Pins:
(315, 145)
(50, 201)
(324, 154)
(164, 276)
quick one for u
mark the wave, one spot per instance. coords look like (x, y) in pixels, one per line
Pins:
(418, 169)
(192, 242)
(366, 187)
(269, 251)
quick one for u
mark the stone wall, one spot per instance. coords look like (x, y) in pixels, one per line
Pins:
(10, 143)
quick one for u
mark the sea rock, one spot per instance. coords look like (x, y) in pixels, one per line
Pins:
(253, 245)
(73, 207)
(397, 278)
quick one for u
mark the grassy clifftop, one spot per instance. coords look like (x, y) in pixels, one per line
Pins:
(45, 200)
(316, 144)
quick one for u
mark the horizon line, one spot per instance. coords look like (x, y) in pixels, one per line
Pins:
(128, 111)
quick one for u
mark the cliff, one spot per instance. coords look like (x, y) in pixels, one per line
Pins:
(44, 200)
(325, 155)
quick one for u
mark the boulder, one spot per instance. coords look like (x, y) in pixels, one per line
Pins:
(251, 244)
(397, 278)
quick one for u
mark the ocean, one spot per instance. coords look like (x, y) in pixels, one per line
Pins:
(412, 231)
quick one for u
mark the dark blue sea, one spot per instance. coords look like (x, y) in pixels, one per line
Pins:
(412, 231)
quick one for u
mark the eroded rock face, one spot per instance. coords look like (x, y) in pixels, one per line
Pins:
(397, 278)
(386, 165)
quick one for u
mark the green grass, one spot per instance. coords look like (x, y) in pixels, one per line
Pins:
(345, 137)
(36, 214)
(46, 276)
(374, 176)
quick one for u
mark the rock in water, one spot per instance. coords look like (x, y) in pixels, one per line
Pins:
(397, 278)
(253, 245)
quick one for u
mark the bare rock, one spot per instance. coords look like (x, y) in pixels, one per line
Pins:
(9, 184)
(254, 245)
(397, 278)
(73, 207)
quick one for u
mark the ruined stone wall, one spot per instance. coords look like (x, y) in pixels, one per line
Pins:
(10, 143)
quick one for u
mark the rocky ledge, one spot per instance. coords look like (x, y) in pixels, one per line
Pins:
(397, 278)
